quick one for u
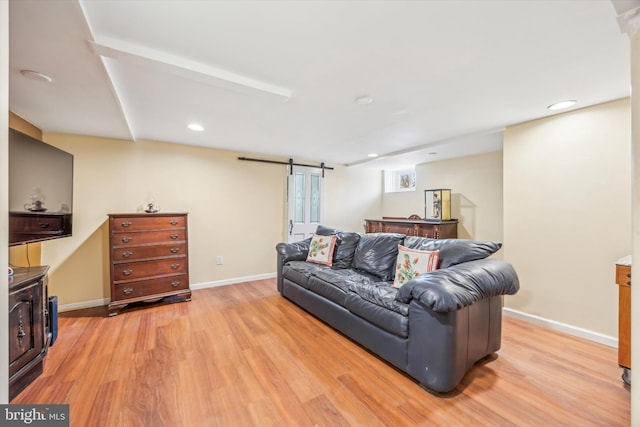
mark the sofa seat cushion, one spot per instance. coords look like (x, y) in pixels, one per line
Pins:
(382, 317)
(334, 284)
(381, 294)
(300, 271)
(327, 290)
(346, 277)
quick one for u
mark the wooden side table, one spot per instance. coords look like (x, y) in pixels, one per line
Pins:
(623, 280)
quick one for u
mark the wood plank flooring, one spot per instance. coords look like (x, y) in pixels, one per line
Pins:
(241, 355)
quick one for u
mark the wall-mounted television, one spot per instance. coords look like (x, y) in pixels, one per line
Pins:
(40, 190)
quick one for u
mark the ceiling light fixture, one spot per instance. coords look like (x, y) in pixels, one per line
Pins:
(34, 75)
(364, 100)
(561, 105)
(372, 155)
(195, 127)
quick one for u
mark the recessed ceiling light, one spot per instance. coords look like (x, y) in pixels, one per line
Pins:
(561, 105)
(34, 75)
(363, 100)
(196, 127)
(372, 155)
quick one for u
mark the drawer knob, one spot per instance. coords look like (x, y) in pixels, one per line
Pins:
(126, 224)
(127, 272)
(175, 266)
(173, 222)
(126, 254)
(173, 236)
(175, 283)
(174, 250)
(126, 239)
(127, 291)
(44, 225)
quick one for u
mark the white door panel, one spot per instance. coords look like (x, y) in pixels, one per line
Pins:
(305, 202)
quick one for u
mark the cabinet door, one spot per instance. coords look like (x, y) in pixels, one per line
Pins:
(26, 327)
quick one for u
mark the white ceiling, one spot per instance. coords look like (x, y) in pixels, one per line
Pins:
(279, 78)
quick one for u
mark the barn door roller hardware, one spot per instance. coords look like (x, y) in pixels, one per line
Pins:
(290, 163)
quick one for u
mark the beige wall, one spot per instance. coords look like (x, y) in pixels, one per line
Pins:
(236, 208)
(476, 191)
(567, 213)
(353, 194)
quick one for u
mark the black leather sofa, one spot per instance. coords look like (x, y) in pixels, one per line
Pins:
(434, 327)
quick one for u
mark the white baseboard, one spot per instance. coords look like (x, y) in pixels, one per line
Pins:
(233, 281)
(83, 304)
(562, 327)
(100, 302)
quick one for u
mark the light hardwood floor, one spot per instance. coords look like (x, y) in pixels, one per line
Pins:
(242, 355)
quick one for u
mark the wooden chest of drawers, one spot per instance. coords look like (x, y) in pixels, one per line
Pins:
(149, 258)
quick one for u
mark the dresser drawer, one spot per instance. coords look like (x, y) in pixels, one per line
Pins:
(145, 288)
(396, 228)
(141, 237)
(137, 223)
(132, 253)
(143, 269)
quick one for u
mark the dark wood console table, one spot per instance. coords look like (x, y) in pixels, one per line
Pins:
(29, 336)
(446, 229)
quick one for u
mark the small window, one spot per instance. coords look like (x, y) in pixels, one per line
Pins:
(399, 180)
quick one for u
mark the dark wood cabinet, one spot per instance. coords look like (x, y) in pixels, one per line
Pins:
(149, 258)
(29, 336)
(37, 226)
(414, 227)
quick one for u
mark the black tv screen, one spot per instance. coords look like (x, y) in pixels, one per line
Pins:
(40, 190)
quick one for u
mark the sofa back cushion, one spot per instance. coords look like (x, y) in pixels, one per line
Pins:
(377, 253)
(453, 251)
(345, 245)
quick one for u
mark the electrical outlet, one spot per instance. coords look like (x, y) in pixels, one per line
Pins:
(219, 260)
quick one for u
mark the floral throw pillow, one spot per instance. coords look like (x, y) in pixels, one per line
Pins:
(412, 262)
(321, 249)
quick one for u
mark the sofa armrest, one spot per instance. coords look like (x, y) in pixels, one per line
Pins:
(461, 285)
(296, 251)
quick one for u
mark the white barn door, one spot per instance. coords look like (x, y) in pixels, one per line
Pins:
(305, 202)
